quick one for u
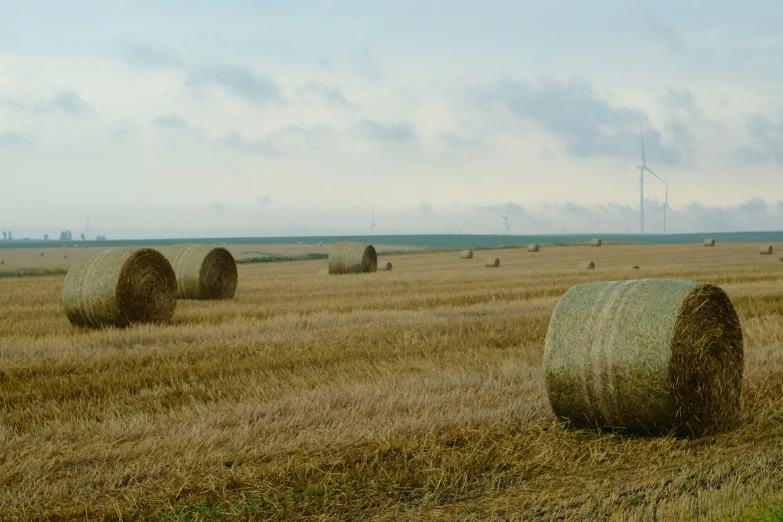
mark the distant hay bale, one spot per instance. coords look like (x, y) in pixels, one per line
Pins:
(386, 267)
(346, 257)
(586, 265)
(631, 267)
(65, 256)
(596, 242)
(301, 243)
(649, 356)
(466, 254)
(766, 250)
(40, 254)
(2, 261)
(320, 243)
(533, 247)
(120, 287)
(323, 271)
(709, 242)
(203, 271)
(492, 262)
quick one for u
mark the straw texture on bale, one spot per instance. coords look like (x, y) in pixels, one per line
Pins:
(596, 242)
(203, 271)
(323, 271)
(466, 254)
(586, 265)
(709, 242)
(766, 250)
(648, 356)
(346, 257)
(493, 262)
(120, 287)
(533, 247)
(386, 267)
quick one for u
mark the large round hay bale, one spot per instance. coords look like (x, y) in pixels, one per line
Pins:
(346, 257)
(586, 265)
(493, 262)
(766, 250)
(203, 271)
(120, 287)
(596, 242)
(386, 267)
(533, 247)
(649, 356)
(709, 242)
(466, 254)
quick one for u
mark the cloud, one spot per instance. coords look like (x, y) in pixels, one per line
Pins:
(120, 128)
(384, 133)
(367, 65)
(425, 208)
(588, 125)
(65, 101)
(152, 58)
(264, 200)
(218, 208)
(455, 141)
(666, 33)
(333, 95)
(171, 121)
(767, 141)
(14, 140)
(263, 147)
(682, 101)
(256, 88)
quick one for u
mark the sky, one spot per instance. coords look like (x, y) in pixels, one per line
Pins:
(256, 118)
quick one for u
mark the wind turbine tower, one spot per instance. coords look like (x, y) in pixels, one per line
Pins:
(373, 228)
(666, 207)
(642, 168)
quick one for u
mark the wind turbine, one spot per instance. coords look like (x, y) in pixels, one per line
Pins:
(373, 228)
(562, 226)
(460, 229)
(720, 221)
(642, 168)
(507, 222)
(666, 207)
(87, 230)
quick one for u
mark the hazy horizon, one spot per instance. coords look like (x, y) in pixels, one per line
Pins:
(193, 119)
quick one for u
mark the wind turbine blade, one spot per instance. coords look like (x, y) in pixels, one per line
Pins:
(641, 136)
(638, 185)
(653, 173)
(670, 210)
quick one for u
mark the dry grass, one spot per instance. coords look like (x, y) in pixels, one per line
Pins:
(412, 395)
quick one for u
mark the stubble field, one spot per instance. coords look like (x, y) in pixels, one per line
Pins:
(416, 394)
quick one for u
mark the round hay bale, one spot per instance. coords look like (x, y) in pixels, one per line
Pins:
(320, 243)
(65, 256)
(386, 267)
(596, 242)
(492, 262)
(709, 242)
(466, 254)
(40, 254)
(346, 257)
(648, 356)
(323, 271)
(632, 267)
(2, 261)
(766, 250)
(120, 287)
(203, 271)
(533, 247)
(587, 265)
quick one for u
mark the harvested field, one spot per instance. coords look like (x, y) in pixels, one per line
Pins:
(416, 394)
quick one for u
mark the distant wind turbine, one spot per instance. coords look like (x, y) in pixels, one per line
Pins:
(642, 168)
(720, 221)
(373, 227)
(507, 220)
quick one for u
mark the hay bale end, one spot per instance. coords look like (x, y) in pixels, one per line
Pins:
(492, 262)
(596, 242)
(203, 271)
(466, 254)
(586, 265)
(385, 267)
(766, 250)
(346, 257)
(533, 247)
(709, 242)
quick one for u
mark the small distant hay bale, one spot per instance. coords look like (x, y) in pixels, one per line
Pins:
(346, 257)
(631, 267)
(586, 265)
(301, 242)
(120, 287)
(320, 243)
(2, 261)
(40, 254)
(709, 242)
(596, 242)
(65, 256)
(203, 271)
(533, 247)
(385, 267)
(323, 271)
(492, 262)
(766, 250)
(648, 356)
(466, 254)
